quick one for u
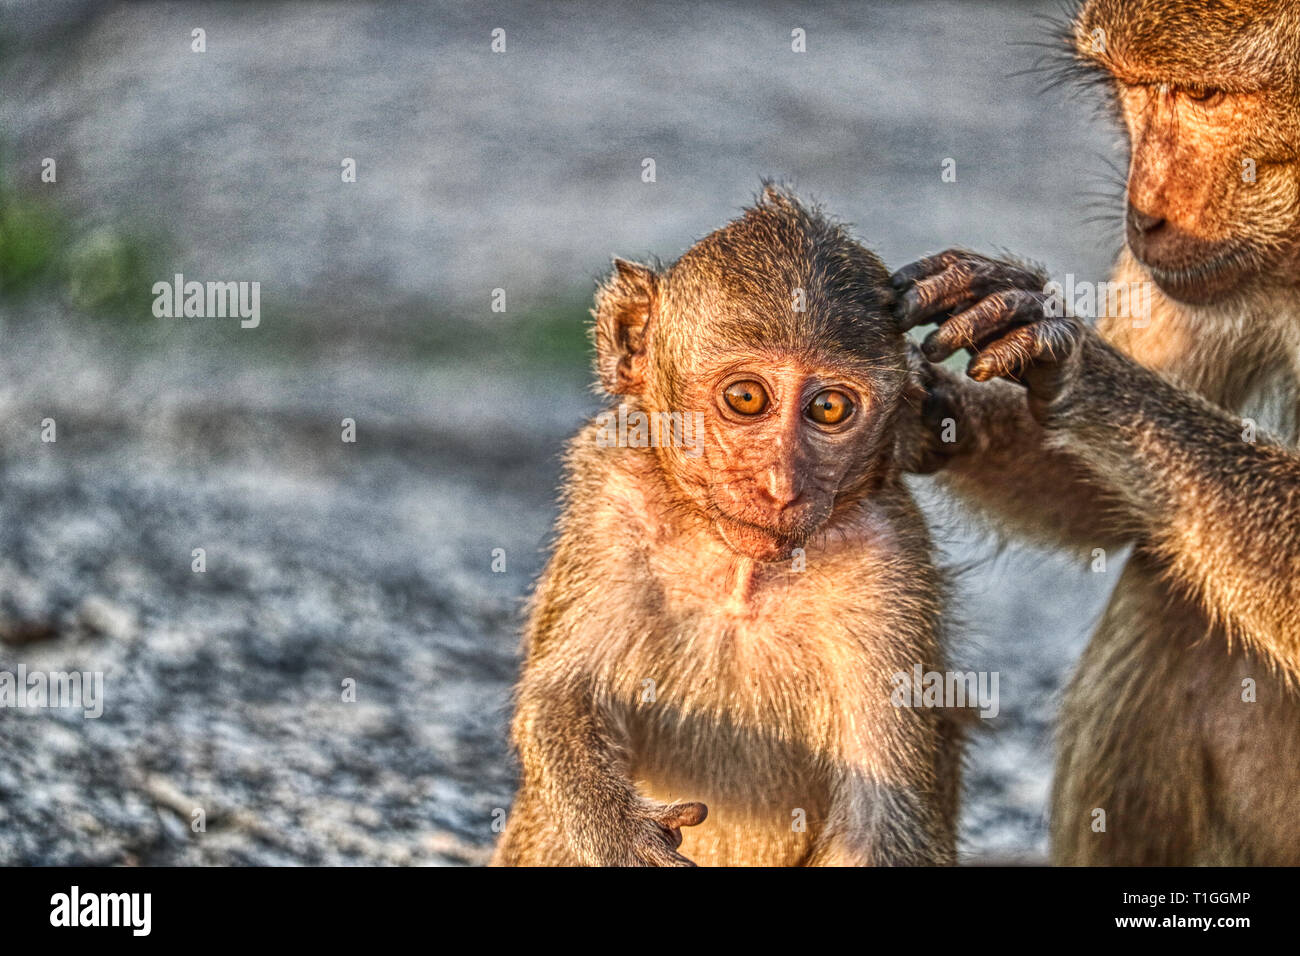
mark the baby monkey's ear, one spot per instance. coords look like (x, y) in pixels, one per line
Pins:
(625, 303)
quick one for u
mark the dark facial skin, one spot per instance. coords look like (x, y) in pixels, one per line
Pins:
(1194, 222)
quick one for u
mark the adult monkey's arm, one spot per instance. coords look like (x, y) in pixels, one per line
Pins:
(1222, 510)
(983, 445)
(981, 440)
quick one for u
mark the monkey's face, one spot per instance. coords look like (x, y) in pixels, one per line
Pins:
(1211, 202)
(771, 343)
(1214, 173)
(786, 442)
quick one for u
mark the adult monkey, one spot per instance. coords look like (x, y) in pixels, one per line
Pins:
(1131, 434)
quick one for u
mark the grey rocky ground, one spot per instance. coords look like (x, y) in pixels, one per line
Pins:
(328, 561)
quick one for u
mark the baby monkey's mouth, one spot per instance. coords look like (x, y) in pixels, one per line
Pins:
(760, 542)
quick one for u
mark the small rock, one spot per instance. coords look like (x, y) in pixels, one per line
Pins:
(101, 616)
(20, 633)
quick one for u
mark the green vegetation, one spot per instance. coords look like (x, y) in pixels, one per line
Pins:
(105, 271)
(551, 336)
(30, 238)
(108, 272)
(556, 335)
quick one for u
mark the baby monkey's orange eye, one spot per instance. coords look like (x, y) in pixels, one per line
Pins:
(829, 407)
(748, 398)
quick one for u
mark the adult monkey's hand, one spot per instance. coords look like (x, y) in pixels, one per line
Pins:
(997, 309)
(1221, 512)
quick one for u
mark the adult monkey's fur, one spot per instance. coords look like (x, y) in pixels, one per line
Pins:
(1132, 435)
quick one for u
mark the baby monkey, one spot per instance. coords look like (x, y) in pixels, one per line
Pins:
(738, 576)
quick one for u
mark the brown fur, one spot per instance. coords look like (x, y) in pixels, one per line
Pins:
(1154, 728)
(1143, 445)
(771, 685)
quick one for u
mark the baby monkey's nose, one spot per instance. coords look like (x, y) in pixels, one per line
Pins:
(782, 487)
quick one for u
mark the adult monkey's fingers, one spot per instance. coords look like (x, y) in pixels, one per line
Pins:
(934, 297)
(956, 280)
(922, 268)
(986, 320)
(1012, 355)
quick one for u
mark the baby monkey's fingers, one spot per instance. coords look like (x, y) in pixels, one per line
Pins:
(659, 847)
(655, 854)
(677, 815)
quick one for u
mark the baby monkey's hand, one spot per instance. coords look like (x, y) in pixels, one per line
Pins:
(933, 426)
(652, 833)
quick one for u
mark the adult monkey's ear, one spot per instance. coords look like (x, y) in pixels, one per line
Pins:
(625, 303)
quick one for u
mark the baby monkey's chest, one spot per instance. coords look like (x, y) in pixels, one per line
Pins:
(760, 769)
(764, 663)
(747, 720)
(750, 707)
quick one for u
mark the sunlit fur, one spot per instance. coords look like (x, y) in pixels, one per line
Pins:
(771, 685)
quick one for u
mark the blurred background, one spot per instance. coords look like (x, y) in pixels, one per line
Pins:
(476, 171)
